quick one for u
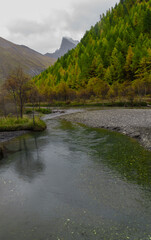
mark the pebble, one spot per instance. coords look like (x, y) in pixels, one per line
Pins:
(135, 123)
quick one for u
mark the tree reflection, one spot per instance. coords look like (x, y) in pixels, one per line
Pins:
(29, 163)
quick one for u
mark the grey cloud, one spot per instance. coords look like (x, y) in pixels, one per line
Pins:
(26, 28)
(46, 36)
(88, 13)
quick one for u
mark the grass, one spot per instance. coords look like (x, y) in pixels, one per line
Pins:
(14, 124)
(40, 110)
(91, 104)
(28, 111)
(43, 110)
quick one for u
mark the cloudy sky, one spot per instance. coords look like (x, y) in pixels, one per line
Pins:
(41, 24)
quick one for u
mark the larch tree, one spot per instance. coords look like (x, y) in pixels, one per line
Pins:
(128, 64)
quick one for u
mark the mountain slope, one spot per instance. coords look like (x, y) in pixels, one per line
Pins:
(116, 49)
(12, 55)
(66, 45)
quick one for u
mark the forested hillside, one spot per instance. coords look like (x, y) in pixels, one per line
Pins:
(115, 53)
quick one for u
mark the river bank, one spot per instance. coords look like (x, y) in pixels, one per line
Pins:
(6, 136)
(12, 127)
(135, 123)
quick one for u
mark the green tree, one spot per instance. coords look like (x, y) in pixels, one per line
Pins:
(128, 64)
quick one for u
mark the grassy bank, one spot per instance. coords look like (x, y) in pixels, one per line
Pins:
(14, 124)
(89, 104)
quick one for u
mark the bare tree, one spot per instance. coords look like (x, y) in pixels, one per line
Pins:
(2, 102)
(17, 86)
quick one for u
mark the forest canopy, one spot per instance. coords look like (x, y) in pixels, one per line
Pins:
(116, 51)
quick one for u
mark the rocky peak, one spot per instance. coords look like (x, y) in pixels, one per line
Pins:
(66, 45)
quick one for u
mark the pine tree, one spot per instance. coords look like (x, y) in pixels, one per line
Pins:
(128, 64)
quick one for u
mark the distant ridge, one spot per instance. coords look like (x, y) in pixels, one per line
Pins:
(66, 45)
(13, 55)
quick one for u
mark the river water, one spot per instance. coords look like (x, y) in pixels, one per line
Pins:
(74, 182)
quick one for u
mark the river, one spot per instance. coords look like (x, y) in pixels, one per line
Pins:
(72, 182)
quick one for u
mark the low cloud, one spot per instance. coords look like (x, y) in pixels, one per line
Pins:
(26, 28)
(45, 36)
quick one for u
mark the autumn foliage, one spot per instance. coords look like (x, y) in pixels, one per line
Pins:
(113, 58)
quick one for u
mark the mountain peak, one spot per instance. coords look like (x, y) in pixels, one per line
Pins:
(66, 45)
(71, 40)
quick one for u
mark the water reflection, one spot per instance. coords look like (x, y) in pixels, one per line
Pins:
(28, 163)
(118, 152)
(73, 182)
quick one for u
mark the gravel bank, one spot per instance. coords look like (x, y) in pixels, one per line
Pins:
(135, 123)
(6, 136)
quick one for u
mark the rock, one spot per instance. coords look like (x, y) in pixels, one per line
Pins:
(58, 111)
